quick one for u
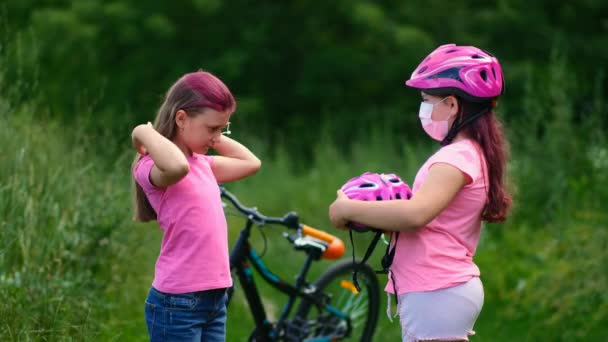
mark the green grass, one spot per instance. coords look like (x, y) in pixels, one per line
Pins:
(57, 207)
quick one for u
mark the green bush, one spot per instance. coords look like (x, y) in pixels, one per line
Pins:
(300, 60)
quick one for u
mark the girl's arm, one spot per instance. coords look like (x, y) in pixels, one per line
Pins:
(234, 162)
(170, 163)
(439, 188)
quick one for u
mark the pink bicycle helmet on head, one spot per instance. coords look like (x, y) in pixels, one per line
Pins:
(467, 71)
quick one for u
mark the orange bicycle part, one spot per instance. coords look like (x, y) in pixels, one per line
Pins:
(334, 250)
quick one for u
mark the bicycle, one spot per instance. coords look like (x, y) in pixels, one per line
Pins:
(330, 308)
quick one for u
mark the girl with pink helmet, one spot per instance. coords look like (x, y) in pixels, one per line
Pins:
(433, 276)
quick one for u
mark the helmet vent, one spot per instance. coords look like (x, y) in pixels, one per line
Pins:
(494, 73)
(451, 51)
(477, 56)
(423, 69)
(398, 196)
(379, 198)
(367, 185)
(453, 73)
(483, 75)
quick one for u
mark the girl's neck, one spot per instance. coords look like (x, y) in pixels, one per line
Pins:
(180, 144)
(459, 137)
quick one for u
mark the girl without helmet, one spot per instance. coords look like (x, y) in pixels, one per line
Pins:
(176, 184)
(437, 231)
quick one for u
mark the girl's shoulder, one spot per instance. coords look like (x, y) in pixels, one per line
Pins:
(201, 158)
(466, 147)
(141, 173)
(460, 145)
(143, 160)
(464, 155)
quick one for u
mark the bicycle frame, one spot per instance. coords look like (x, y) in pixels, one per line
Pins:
(243, 254)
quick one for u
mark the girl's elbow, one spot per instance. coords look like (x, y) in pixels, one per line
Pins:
(246, 170)
(256, 165)
(415, 221)
(421, 220)
(184, 169)
(253, 168)
(180, 170)
(415, 215)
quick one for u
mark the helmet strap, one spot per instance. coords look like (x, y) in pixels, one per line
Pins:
(459, 125)
(368, 254)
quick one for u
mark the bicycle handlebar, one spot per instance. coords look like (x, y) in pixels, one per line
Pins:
(334, 247)
(290, 220)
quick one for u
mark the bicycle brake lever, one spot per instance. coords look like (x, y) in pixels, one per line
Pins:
(303, 242)
(291, 237)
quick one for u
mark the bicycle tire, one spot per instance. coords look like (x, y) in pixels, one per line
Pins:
(347, 302)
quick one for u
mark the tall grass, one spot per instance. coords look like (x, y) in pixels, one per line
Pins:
(58, 206)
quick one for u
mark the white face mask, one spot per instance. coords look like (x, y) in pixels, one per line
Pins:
(437, 130)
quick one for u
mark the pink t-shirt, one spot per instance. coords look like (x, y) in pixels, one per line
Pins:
(194, 250)
(440, 254)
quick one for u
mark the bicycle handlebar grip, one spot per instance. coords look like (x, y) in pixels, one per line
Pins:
(334, 250)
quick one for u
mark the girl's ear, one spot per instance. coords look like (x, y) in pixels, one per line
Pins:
(180, 118)
(453, 105)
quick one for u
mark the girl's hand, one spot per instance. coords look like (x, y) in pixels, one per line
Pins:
(141, 149)
(337, 211)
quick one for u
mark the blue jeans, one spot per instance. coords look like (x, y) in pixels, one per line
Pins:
(195, 316)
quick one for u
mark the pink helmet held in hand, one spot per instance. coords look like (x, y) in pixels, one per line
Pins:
(469, 72)
(399, 189)
(374, 187)
(367, 187)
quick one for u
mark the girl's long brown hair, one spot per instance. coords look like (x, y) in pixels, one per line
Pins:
(193, 93)
(487, 131)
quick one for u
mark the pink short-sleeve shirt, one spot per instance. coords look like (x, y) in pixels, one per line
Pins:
(194, 249)
(440, 255)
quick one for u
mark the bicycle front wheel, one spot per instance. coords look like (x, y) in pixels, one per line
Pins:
(360, 306)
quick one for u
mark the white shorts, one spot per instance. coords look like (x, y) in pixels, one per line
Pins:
(445, 314)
